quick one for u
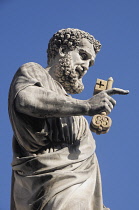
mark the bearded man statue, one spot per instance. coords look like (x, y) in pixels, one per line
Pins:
(54, 162)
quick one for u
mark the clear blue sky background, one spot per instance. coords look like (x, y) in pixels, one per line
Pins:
(25, 29)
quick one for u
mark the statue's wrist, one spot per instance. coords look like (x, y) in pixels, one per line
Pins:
(86, 107)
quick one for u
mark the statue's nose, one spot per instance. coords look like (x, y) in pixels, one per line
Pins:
(85, 65)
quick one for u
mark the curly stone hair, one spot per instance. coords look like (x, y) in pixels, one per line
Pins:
(69, 39)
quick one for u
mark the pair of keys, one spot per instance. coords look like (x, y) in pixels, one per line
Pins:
(101, 123)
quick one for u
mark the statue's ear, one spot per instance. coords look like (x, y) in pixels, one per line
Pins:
(61, 52)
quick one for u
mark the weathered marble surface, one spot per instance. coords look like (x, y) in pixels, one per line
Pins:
(54, 162)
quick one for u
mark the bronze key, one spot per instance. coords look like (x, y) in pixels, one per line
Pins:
(101, 123)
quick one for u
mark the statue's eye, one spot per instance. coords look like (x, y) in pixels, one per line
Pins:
(83, 56)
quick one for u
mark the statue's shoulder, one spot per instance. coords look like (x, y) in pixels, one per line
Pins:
(30, 66)
(31, 69)
(29, 73)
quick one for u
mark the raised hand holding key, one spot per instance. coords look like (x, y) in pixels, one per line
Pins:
(101, 123)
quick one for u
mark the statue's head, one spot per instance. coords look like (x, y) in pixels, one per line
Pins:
(72, 51)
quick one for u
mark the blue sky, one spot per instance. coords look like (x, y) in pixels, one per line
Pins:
(25, 29)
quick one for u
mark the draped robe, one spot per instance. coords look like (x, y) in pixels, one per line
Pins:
(54, 162)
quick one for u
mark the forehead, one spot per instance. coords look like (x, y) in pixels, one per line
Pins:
(87, 46)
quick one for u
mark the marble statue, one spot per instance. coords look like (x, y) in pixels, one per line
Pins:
(54, 162)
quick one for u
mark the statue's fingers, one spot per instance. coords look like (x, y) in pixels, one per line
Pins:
(112, 100)
(109, 103)
(107, 108)
(119, 91)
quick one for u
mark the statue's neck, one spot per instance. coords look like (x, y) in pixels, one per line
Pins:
(51, 71)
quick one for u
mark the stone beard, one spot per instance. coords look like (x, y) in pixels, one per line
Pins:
(68, 76)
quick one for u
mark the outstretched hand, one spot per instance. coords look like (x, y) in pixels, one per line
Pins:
(103, 102)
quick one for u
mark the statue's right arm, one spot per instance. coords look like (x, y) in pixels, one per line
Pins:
(37, 102)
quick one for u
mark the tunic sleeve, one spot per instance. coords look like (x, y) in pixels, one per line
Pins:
(27, 75)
